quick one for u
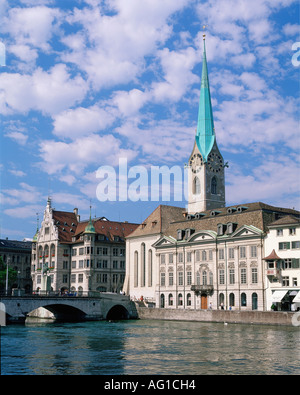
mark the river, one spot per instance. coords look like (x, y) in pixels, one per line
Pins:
(151, 347)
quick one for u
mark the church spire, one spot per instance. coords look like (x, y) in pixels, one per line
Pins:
(90, 227)
(205, 135)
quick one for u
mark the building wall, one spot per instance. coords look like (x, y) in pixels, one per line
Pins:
(84, 262)
(141, 268)
(208, 271)
(18, 256)
(285, 240)
(204, 269)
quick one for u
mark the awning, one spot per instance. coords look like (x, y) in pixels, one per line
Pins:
(277, 296)
(296, 298)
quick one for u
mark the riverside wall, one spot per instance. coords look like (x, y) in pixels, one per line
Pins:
(224, 316)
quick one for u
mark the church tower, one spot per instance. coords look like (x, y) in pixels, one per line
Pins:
(206, 178)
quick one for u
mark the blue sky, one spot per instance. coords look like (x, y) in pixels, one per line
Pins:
(89, 81)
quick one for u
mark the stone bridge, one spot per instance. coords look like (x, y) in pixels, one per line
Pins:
(107, 306)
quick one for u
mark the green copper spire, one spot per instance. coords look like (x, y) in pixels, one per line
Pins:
(90, 227)
(205, 135)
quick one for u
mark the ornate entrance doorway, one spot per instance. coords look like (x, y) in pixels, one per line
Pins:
(204, 301)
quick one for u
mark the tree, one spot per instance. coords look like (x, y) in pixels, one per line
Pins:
(12, 275)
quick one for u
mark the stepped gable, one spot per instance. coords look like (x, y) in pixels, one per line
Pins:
(158, 221)
(66, 223)
(256, 214)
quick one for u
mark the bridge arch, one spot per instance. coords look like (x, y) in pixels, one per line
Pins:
(69, 308)
(118, 312)
(64, 312)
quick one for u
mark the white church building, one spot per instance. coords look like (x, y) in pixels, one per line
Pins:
(210, 255)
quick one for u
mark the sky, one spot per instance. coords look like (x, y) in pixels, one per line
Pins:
(84, 83)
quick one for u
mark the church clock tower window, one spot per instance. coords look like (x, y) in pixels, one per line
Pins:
(214, 185)
(196, 186)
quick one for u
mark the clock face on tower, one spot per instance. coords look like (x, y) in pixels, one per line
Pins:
(214, 162)
(195, 162)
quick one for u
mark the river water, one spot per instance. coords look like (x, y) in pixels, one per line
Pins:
(149, 347)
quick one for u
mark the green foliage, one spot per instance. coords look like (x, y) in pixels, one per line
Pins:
(12, 275)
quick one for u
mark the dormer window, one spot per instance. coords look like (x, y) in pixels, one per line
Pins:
(221, 229)
(231, 226)
(180, 234)
(188, 233)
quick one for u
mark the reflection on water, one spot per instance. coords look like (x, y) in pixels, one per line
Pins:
(149, 347)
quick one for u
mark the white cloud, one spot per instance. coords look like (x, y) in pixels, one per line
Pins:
(77, 155)
(31, 26)
(18, 137)
(25, 53)
(166, 141)
(48, 92)
(65, 198)
(117, 44)
(68, 179)
(178, 76)
(80, 122)
(291, 29)
(25, 193)
(17, 173)
(129, 103)
(23, 212)
(274, 180)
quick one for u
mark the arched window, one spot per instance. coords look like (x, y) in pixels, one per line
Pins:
(243, 299)
(254, 301)
(162, 301)
(150, 268)
(170, 299)
(204, 278)
(196, 186)
(231, 299)
(214, 185)
(136, 267)
(143, 265)
(188, 300)
(180, 300)
(52, 250)
(221, 299)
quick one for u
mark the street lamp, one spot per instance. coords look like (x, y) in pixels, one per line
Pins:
(6, 287)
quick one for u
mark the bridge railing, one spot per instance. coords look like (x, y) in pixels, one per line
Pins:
(51, 294)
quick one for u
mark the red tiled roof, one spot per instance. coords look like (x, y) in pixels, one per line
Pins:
(108, 228)
(68, 227)
(66, 222)
(272, 257)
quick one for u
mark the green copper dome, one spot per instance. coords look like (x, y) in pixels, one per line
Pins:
(90, 227)
(35, 237)
(205, 135)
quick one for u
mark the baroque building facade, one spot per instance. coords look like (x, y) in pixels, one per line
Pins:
(69, 255)
(210, 255)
